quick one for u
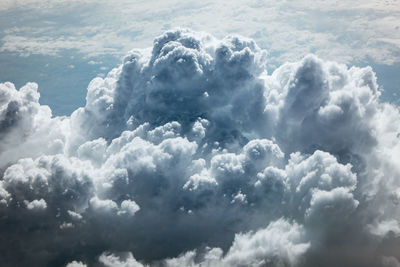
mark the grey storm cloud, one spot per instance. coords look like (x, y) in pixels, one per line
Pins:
(190, 154)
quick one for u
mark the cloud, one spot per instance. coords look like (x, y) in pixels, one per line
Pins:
(189, 153)
(36, 204)
(290, 30)
(24, 123)
(279, 244)
(76, 264)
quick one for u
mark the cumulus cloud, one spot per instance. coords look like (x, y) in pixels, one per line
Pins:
(190, 154)
(26, 127)
(279, 244)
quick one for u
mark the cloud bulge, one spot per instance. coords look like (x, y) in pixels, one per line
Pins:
(190, 154)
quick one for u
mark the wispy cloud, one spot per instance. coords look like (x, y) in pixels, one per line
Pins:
(337, 30)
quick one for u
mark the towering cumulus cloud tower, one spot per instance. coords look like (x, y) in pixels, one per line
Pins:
(190, 154)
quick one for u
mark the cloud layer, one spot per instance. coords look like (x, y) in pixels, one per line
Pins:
(349, 31)
(190, 154)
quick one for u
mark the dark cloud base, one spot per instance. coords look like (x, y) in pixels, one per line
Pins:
(190, 154)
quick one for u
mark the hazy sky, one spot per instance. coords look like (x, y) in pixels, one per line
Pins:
(62, 45)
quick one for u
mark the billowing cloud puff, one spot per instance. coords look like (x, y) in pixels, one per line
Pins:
(190, 154)
(26, 127)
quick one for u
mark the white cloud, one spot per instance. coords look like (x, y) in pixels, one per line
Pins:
(267, 169)
(279, 244)
(108, 260)
(76, 264)
(36, 204)
(344, 31)
(24, 122)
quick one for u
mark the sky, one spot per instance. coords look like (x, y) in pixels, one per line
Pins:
(54, 42)
(143, 133)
